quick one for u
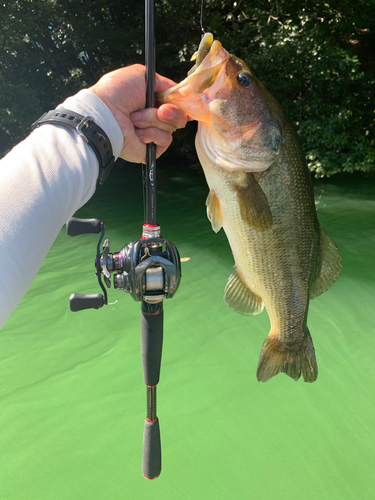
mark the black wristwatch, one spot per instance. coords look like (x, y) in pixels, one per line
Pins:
(89, 131)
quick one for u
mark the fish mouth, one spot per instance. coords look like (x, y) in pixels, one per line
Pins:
(191, 95)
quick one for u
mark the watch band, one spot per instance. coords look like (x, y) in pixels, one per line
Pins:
(88, 130)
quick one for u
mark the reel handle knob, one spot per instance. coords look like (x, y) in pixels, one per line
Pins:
(75, 227)
(78, 302)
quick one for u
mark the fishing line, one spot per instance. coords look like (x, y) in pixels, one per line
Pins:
(202, 18)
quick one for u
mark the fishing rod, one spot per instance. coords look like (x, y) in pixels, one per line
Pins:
(149, 269)
(152, 315)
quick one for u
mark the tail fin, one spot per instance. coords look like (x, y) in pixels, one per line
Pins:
(276, 357)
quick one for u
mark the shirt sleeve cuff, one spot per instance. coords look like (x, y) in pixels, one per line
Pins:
(89, 104)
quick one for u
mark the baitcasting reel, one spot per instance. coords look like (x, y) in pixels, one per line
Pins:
(148, 269)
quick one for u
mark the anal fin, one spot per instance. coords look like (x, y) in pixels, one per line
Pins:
(213, 211)
(240, 298)
(329, 268)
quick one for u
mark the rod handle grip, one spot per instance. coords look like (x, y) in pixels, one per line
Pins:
(151, 456)
(151, 344)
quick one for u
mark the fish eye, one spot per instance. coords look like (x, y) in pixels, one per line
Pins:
(244, 79)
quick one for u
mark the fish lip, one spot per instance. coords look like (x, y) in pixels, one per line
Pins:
(199, 78)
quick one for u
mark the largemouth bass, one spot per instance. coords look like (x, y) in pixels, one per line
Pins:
(261, 194)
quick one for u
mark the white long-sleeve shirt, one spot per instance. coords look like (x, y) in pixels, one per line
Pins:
(44, 180)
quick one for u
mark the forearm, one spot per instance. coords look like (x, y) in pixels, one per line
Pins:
(43, 182)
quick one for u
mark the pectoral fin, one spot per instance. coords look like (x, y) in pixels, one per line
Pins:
(240, 298)
(213, 211)
(254, 207)
(330, 265)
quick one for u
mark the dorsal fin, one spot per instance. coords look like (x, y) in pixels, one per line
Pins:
(240, 298)
(330, 265)
(214, 211)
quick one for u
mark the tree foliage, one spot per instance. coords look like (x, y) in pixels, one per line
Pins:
(50, 49)
(317, 58)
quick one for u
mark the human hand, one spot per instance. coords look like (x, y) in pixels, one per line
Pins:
(124, 93)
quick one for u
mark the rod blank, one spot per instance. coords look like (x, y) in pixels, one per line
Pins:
(149, 177)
